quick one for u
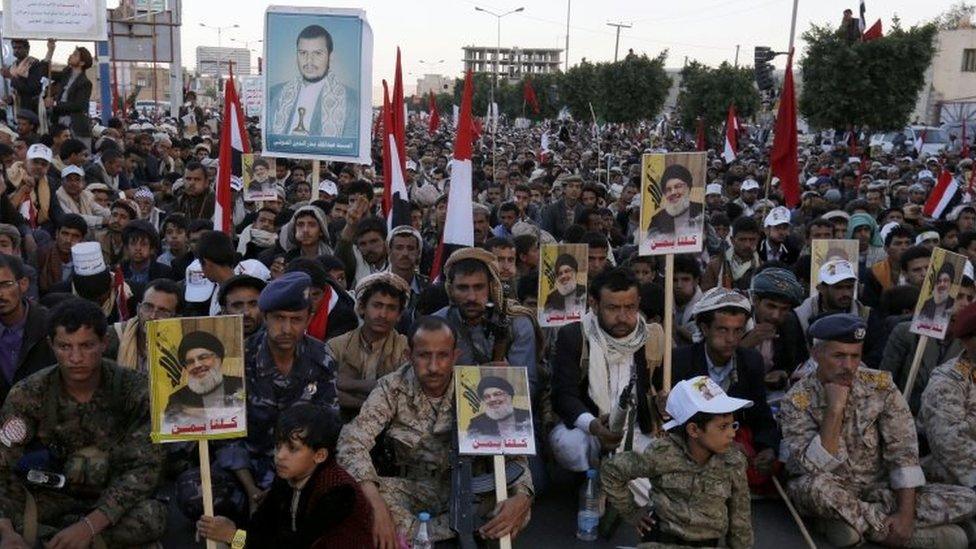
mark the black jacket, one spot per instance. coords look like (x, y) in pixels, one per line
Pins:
(790, 347)
(570, 388)
(482, 425)
(35, 351)
(75, 104)
(789, 257)
(689, 361)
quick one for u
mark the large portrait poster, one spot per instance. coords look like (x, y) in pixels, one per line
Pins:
(196, 378)
(672, 203)
(494, 411)
(82, 20)
(259, 177)
(822, 251)
(318, 84)
(939, 291)
(562, 283)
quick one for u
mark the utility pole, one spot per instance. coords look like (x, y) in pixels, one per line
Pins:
(616, 46)
(569, 3)
(736, 56)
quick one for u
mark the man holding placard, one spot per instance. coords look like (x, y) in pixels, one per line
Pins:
(415, 406)
(79, 431)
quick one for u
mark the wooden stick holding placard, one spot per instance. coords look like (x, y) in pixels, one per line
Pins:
(796, 516)
(501, 494)
(315, 177)
(206, 486)
(916, 361)
(668, 319)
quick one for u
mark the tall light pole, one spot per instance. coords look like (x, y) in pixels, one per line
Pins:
(219, 30)
(616, 46)
(569, 4)
(429, 66)
(491, 104)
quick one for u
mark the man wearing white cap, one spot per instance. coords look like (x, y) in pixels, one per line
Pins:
(748, 193)
(695, 464)
(73, 197)
(36, 190)
(777, 246)
(835, 294)
(91, 280)
(714, 201)
(721, 315)
(327, 190)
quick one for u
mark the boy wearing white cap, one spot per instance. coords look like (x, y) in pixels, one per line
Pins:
(700, 494)
(777, 245)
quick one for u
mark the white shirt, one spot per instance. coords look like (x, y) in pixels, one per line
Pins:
(308, 97)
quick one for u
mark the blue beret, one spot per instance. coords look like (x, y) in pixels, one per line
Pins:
(846, 328)
(288, 292)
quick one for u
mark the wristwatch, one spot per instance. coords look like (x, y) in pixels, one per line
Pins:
(240, 537)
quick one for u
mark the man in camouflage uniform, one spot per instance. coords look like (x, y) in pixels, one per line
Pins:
(283, 366)
(415, 406)
(853, 452)
(86, 419)
(947, 417)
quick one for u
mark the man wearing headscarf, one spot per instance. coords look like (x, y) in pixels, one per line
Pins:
(776, 333)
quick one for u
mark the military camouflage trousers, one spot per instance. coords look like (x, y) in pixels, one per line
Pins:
(144, 523)
(829, 496)
(406, 498)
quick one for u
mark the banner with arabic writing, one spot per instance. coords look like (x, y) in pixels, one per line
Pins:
(494, 414)
(672, 218)
(196, 378)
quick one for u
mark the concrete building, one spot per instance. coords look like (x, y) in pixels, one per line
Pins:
(435, 83)
(213, 60)
(513, 63)
(951, 78)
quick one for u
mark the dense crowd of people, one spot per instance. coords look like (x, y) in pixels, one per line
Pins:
(350, 346)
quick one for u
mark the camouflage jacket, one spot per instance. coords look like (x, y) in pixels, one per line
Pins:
(948, 420)
(39, 419)
(419, 430)
(878, 442)
(691, 501)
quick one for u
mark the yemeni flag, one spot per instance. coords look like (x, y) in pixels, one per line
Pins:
(782, 159)
(731, 136)
(398, 115)
(118, 288)
(873, 33)
(458, 231)
(944, 196)
(435, 117)
(396, 205)
(233, 144)
(528, 95)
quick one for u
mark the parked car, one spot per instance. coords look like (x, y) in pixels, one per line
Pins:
(931, 139)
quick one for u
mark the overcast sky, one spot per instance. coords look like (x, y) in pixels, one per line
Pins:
(431, 30)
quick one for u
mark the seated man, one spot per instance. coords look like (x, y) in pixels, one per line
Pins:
(949, 410)
(420, 440)
(95, 415)
(375, 348)
(721, 316)
(777, 334)
(853, 452)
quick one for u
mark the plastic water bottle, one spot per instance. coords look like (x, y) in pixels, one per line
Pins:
(421, 536)
(588, 517)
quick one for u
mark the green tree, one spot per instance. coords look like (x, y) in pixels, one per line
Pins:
(958, 16)
(872, 83)
(707, 93)
(633, 89)
(581, 85)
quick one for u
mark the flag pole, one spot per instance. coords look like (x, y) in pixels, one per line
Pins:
(793, 26)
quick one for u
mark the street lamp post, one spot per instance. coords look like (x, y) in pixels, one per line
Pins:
(247, 45)
(494, 78)
(219, 33)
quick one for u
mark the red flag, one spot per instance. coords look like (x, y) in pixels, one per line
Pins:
(318, 327)
(731, 136)
(783, 163)
(399, 114)
(699, 134)
(528, 95)
(435, 117)
(233, 143)
(396, 206)
(458, 230)
(872, 33)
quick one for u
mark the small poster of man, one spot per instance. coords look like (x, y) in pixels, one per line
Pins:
(318, 84)
(196, 378)
(493, 408)
(562, 284)
(939, 291)
(672, 203)
(822, 251)
(259, 181)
